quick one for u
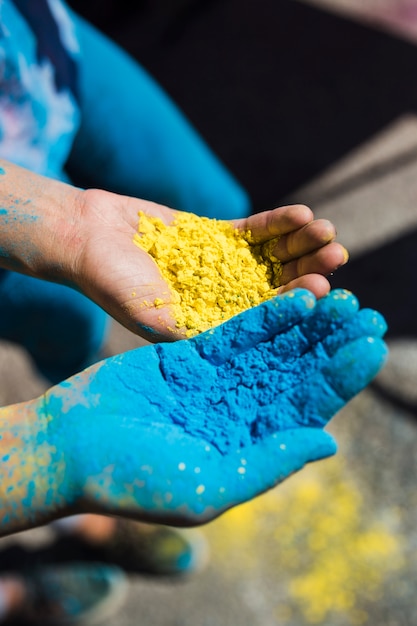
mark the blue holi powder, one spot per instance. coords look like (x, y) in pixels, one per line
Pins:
(49, 497)
(2, 171)
(148, 329)
(13, 215)
(30, 493)
(261, 387)
(27, 218)
(41, 438)
(255, 388)
(150, 418)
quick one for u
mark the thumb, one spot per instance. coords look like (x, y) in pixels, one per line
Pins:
(275, 458)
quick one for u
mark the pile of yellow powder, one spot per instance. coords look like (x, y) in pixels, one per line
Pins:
(212, 269)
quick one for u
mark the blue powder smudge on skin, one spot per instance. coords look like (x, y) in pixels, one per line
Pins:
(153, 335)
(30, 494)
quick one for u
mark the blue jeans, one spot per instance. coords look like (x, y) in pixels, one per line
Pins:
(62, 330)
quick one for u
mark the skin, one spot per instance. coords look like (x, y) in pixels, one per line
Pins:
(148, 460)
(83, 238)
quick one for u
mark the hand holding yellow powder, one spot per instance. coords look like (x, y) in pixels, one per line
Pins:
(212, 269)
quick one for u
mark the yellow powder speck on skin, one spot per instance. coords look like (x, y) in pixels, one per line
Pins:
(212, 269)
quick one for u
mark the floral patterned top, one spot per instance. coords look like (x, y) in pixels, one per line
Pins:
(39, 113)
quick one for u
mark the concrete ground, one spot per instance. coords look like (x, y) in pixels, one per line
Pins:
(336, 545)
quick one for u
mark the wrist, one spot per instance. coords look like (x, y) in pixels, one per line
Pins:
(35, 480)
(39, 224)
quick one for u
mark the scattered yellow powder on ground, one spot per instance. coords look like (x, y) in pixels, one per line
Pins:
(331, 555)
(212, 269)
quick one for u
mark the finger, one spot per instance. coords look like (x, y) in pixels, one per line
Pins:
(269, 461)
(363, 358)
(314, 235)
(258, 324)
(288, 451)
(316, 283)
(295, 347)
(297, 356)
(324, 261)
(367, 323)
(330, 313)
(342, 377)
(269, 224)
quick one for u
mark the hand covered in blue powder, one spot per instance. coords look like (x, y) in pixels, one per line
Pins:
(178, 433)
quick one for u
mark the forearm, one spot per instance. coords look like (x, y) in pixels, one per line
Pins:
(33, 487)
(38, 219)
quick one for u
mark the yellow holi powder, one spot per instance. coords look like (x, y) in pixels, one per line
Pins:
(212, 269)
(330, 558)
